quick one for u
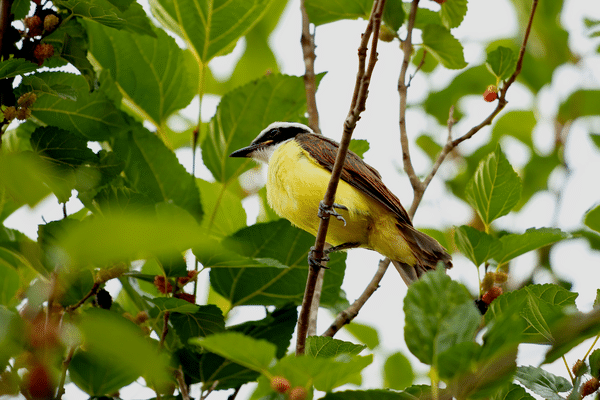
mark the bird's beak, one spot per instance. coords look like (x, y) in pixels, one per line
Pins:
(248, 150)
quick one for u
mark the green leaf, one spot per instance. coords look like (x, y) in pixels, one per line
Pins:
(439, 313)
(99, 376)
(60, 147)
(9, 283)
(100, 241)
(502, 62)
(93, 115)
(477, 246)
(224, 212)
(326, 11)
(371, 394)
(155, 171)
(594, 362)
(596, 139)
(513, 392)
(429, 146)
(359, 147)
(154, 75)
(108, 336)
(171, 304)
(70, 42)
(244, 350)
(280, 241)
(20, 9)
(209, 28)
(15, 67)
(513, 245)
(206, 321)
(495, 188)
(571, 330)
(129, 15)
(592, 219)
(579, 104)
(443, 46)
(397, 372)
(393, 14)
(542, 382)
(243, 113)
(321, 346)
(453, 12)
(518, 124)
(364, 333)
(458, 360)
(12, 335)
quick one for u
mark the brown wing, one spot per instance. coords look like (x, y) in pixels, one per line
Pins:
(356, 172)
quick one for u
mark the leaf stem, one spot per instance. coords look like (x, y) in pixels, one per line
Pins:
(568, 368)
(63, 375)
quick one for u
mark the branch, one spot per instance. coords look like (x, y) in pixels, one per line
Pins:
(63, 375)
(346, 316)
(359, 99)
(419, 189)
(310, 86)
(165, 330)
(183, 388)
(92, 292)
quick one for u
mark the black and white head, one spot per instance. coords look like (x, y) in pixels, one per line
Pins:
(274, 135)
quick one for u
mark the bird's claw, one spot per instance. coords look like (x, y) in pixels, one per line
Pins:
(314, 261)
(325, 211)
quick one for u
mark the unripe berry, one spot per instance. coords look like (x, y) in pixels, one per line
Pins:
(38, 383)
(50, 22)
(298, 393)
(590, 387)
(33, 25)
(141, 317)
(491, 93)
(43, 51)
(500, 277)
(10, 113)
(578, 368)
(27, 99)
(280, 384)
(386, 34)
(487, 282)
(491, 294)
(23, 114)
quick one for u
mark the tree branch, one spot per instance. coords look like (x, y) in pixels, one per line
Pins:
(419, 189)
(310, 86)
(346, 316)
(359, 99)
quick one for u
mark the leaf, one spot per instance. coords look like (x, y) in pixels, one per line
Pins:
(209, 28)
(594, 361)
(458, 360)
(224, 212)
(371, 394)
(239, 348)
(100, 241)
(280, 241)
(70, 42)
(109, 336)
(15, 67)
(592, 218)
(364, 333)
(154, 170)
(326, 11)
(9, 283)
(99, 376)
(12, 335)
(321, 346)
(206, 321)
(502, 62)
(171, 304)
(397, 372)
(513, 392)
(571, 330)
(453, 12)
(393, 14)
(61, 148)
(154, 75)
(596, 139)
(542, 382)
(20, 9)
(518, 124)
(131, 17)
(579, 104)
(243, 113)
(443, 46)
(439, 313)
(513, 245)
(359, 147)
(93, 116)
(495, 188)
(477, 246)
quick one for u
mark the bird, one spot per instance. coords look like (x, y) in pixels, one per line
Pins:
(299, 164)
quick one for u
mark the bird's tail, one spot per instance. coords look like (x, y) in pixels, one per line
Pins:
(427, 251)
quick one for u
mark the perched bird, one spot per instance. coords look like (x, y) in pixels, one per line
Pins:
(370, 215)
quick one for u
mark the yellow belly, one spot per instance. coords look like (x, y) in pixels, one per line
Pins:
(296, 185)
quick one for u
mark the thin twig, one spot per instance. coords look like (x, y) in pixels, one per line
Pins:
(165, 330)
(92, 292)
(210, 389)
(419, 189)
(346, 316)
(310, 86)
(183, 388)
(359, 99)
(63, 375)
(418, 68)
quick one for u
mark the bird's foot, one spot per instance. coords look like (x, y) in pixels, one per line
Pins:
(325, 211)
(314, 261)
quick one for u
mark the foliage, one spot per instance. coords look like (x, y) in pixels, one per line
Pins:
(149, 228)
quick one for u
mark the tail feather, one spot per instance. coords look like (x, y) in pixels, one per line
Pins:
(426, 250)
